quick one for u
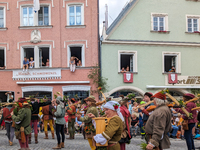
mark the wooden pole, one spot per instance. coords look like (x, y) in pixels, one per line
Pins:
(177, 103)
(146, 104)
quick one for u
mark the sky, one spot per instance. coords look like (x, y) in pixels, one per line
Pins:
(114, 8)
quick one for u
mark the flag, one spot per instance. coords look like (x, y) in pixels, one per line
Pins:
(36, 5)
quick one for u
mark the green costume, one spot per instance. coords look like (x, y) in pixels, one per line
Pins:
(113, 132)
(23, 119)
(89, 128)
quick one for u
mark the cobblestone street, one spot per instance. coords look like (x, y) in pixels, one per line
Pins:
(79, 143)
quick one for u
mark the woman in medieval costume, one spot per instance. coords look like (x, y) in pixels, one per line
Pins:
(113, 131)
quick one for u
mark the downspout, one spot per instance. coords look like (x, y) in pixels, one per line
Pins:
(99, 42)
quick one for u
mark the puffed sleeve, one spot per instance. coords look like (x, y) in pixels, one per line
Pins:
(111, 129)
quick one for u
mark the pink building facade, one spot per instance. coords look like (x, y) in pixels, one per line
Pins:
(51, 36)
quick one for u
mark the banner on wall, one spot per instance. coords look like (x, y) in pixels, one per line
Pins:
(36, 74)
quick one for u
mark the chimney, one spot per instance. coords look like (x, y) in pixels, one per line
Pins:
(106, 17)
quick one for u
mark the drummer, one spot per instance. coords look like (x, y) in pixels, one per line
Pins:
(113, 131)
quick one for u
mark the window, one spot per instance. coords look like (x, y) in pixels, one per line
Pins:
(170, 60)
(2, 17)
(75, 15)
(81, 94)
(28, 19)
(44, 57)
(40, 55)
(43, 16)
(39, 94)
(193, 24)
(2, 59)
(127, 60)
(77, 51)
(159, 22)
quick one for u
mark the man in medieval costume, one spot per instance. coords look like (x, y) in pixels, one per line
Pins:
(71, 110)
(159, 124)
(34, 117)
(22, 125)
(6, 116)
(89, 128)
(47, 112)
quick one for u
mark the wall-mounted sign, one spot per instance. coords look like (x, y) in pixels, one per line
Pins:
(128, 77)
(186, 80)
(36, 74)
(172, 78)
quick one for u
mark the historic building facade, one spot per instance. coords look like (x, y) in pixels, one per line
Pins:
(148, 38)
(49, 37)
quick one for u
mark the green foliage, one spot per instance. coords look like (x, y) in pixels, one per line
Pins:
(97, 79)
(143, 146)
(195, 91)
(55, 96)
(65, 98)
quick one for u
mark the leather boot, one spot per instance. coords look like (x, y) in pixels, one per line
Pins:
(58, 146)
(52, 132)
(46, 135)
(62, 145)
(36, 138)
(29, 139)
(10, 143)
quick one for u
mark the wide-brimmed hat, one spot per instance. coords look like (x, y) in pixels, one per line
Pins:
(189, 95)
(26, 104)
(90, 98)
(7, 104)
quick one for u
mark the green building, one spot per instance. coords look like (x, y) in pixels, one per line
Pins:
(149, 37)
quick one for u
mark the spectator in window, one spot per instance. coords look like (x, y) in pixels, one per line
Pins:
(123, 70)
(76, 61)
(2, 67)
(31, 63)
(72, 64)
(127, 69)
(25, 64)
(79, 63)
(173, 69)
(47, 63)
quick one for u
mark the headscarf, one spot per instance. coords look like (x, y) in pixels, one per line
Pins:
(113, 105)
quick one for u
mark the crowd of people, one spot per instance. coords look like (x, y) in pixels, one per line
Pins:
(154, 118)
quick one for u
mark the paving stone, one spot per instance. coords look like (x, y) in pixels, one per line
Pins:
(79, 143)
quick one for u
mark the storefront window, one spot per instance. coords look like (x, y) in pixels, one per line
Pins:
(80, 94)
(38, 94)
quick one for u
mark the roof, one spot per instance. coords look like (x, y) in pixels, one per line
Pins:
(120, 16)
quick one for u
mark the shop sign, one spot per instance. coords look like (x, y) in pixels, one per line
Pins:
(128, 77)
(36, 74)
(187, 80)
